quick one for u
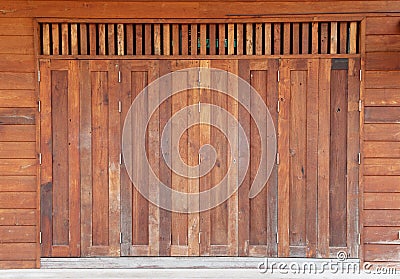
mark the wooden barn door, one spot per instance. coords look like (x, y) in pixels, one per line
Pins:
(318, 149)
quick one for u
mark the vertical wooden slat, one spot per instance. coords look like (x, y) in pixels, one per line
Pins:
(323, 157)
(213, 38)
(314, 36)
(55, 37)
(249, 38)
(353, 38)
(239, 39)
(46, 39)
(120, 39)
(130, 39)
(147, 39)
(296, 38)
(286, 38)
(343, 37)
(334, 31)
(193, 39)
(139, 39)
(277, 38)
(92, 39)
(102, 39)
(64, 39)
(231, 39)
(157, 39)
(324, 38)
(268, 38)
(110, 42)
(74, 39)
(221, 39)
(166, 40)
(305, 35)
(185, 39)
(259, 39)
(203, 39)
(84, 38)
(175, 39)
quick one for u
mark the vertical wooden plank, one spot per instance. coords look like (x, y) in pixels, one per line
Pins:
(314, 38)
(221, 39)
(268, 38)
(102, 39)
(259, 39)
(55, 39)
(277, 38)
(111, 39)
(83, 27)
(74, 191)
(343, 38)
(46, 39)
(193, 39)
(296, 38)
(286, 38)
(324, 38)
(120, 39)
(166, 40)
(185, 39)
(139, 39)
(46, 178)
(305, 35)
(213, 38)
(147, 39)
(231, 38)
(92, 39)
(175, 39)
(203, 39)
(74, 39)
(323, 157)
(334, 43)
(64, 39)
(353, 38)
(130, 39)
(239, 39)
(249, 39)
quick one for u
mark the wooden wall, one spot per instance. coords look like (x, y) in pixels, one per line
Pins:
(19, 236)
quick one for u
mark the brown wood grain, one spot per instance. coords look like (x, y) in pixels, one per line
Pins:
(382, 43)
(381, 217)
(20, 200)
(382, 79)
(11, 80)
(21, 251)
(382, 115)
(17, 98)
(18, 184)
(305, 44)
(64, 39)
(111, 42)
(18, 150)
(12, 116)
(18, 166)
(18, 234)
(381, 235)
(382, 132)
(382, 97)
(277, 39)
(17, 44)
(382, 201)
(84, 29)
(373, 149)
(203, 39)
(381, 166)
(18, 217)
(385, 25)
(375, 252)
(324, 40)
(380, 61)
(17, 62)
(185, 39)
(19, 264)
(20, 26)
(380, 184)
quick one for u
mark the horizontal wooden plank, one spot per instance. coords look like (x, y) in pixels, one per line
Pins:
(18, 184)
(376, 252)
(20, 251)
(382, 79)
(17, 63)
(379, 184)
(18, 200)
(18, 167)
(17, 234)
(18, 217)
(383, 25)
(382, 200)
(382, 218)
(382, 114)
(382, 235)
(18, 98)
(16, 26)
(378, 61)
(16, 44)
(382, 97)
(377, 149)
(17, 133)
(18, 264)
(17, 116)
(382, 43)
(382, 132)
(17, 80)
(17, 150)
(380, 166)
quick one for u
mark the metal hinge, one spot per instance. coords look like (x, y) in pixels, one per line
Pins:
(119, 76)
(277, 238)
(278, 107)
(39, 105)
(359, 158)
(199, 106)
(199, 80)
(120, 158)
(40, 237)
(279, 78)
(360, 75)
(359, 105)
(359, 239)
(119, 106)
(40, 158)
(38, 76)
(120, 238)
(199, 237)
(277, 158)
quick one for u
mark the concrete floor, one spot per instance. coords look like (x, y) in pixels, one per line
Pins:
(171, 273)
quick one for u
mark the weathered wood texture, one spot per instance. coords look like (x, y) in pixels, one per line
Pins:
(381, 146)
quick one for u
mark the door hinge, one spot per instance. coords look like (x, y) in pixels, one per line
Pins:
(359, 239)
(120, 238)
(199, 237)
(38, 76)
(359, 158)
(279, 78)
(277, 237)
(39, 106)
(40, 237)
(119, 76)
(199, 80)
(360, 75)
(40, 158)
(278, 106)
(277, 158)
(199, 106)
(120, 158)
(119, 106)
(359, 105)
